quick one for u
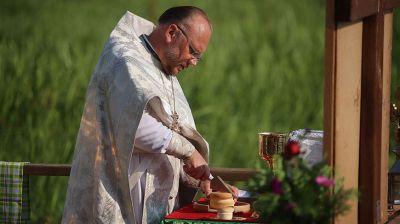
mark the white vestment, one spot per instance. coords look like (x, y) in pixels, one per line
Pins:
(154, 137)
(126, 81)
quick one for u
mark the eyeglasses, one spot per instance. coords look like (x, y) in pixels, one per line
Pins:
(196, 55)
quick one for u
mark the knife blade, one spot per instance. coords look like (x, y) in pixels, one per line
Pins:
(218, 184)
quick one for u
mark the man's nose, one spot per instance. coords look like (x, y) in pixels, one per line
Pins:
(193, 61)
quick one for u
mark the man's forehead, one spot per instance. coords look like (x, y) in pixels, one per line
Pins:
(200, 41)
(198, 24)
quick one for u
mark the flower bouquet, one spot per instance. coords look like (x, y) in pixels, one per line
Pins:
(298, 193)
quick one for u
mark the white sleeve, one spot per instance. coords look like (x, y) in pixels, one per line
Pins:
(151, 135)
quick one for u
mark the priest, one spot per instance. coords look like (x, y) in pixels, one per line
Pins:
(137, 139)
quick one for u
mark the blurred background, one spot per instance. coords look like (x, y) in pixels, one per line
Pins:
(263, 71)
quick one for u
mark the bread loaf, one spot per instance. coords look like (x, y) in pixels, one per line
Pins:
(220, 195)
(227, 209)
(220, 200)
(222, 203)
(225, 215)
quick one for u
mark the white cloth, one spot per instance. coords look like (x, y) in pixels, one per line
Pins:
(151, 136)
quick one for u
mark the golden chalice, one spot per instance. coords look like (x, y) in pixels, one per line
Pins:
(270, 144)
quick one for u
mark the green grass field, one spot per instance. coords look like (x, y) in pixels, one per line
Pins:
(263, 71)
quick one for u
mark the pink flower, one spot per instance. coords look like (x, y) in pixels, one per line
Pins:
(324, 181)
(276, 186)
(292, 148)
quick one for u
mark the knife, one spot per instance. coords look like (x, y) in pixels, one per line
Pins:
(218, 184)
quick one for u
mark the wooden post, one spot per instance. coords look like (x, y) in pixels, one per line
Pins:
(375, 107)
(371, 91)
(342, 101)
(387, 71)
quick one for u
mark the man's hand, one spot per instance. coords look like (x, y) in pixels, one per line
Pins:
(196, 167)
(235, 191)
(205, 187)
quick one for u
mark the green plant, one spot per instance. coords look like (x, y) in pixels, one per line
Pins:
(297, 193)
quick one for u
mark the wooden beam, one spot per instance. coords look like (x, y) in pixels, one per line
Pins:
(374, 133)
(353, 10)
(47, 169)
(234, 174)
(387, 71)
(329, 82)
(341, 59)
(391, 4)
(342, 90)
(229, 174)
(347, 109)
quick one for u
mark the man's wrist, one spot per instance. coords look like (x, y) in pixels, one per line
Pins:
(210, 177)
(207, 174)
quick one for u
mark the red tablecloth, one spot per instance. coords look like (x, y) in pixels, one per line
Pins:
(188, 213)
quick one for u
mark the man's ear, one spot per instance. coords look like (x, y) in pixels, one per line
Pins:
(170, 33)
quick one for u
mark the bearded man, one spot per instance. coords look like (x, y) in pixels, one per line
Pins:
(137, 139)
